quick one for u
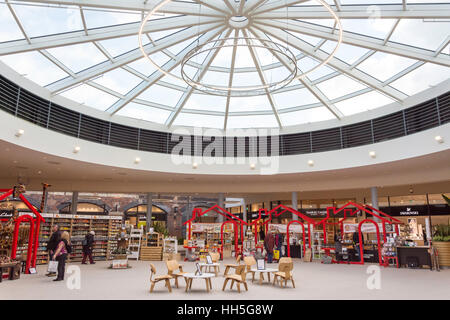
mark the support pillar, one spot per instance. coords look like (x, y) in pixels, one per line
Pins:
(74, 206)
(294, 205)
(149, 210)
(244, 214)
(221, 203)
(374, 196)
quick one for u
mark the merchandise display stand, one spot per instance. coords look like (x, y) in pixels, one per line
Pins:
(151, 247)
(134, 245)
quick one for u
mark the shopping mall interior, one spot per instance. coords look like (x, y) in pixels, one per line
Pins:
(268, 149)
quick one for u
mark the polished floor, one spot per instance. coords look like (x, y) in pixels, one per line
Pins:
(313, 281)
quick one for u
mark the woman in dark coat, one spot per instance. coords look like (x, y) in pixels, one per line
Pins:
(88, 244)
(269, 243)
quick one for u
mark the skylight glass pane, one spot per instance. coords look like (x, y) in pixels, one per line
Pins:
(306, 116)
(363, 103)
(118, 80)
(118, 46)
(199, 120)
(99, 18)
(392, 65)
(162, 95)
(8, 26)
(426, 34)
(268, 121)
(339, 86)
(90, 97)
(422, 78)
(238, 104)
(38, 21)
(294, 98)
(206, 102)
(35, 67)
(78, 57)
(142, 112)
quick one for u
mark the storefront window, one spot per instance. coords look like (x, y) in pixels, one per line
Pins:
(437, 198)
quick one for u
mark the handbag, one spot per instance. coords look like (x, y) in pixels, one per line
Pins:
(52, 266)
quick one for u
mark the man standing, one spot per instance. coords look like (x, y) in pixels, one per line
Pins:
(88, 244)
(269, 243)
(52, 243)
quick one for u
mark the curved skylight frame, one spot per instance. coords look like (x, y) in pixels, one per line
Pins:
(193, 20)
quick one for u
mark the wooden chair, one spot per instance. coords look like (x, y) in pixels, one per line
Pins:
(154, 278)
(284, 273)
(249, 262)
(229, 266)
(239, 277)
(175, 270)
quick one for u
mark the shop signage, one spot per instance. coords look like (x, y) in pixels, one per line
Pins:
(282, 228)
(365, 227)
(6, 214)
(313, 213)
(409, 212)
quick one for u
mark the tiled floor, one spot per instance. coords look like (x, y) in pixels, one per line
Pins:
(313, 281)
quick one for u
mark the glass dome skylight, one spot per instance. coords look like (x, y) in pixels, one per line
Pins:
(88, 51)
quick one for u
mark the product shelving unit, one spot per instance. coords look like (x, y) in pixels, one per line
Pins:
(105, 227)
(152, 247)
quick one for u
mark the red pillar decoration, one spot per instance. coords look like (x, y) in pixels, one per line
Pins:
(287, 237)
(361, 244)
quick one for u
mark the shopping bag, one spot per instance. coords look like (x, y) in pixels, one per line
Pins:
(276, 254)
(52, 266)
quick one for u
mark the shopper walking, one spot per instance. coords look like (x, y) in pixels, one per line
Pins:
(356, 244)
(60, 255)
(52, 243)
(269, 243)
(88, 244)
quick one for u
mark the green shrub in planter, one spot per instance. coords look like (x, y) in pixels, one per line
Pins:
(442, 232)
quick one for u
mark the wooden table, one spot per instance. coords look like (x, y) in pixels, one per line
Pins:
(190, 276)
(215, 265)
(12, 267)
(262, 271)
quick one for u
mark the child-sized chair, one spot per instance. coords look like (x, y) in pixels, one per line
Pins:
(175, 270)
(229, 266)
(284, 272)
(154, 278)
(239, 277)
(249, 262)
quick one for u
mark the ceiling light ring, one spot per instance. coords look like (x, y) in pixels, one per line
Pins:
(240, 90)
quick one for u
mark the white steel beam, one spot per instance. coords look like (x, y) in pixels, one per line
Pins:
(334, 63)
(304, 81)
(212, 54)
(358, 40)
(263, 79)
(384, 11)
(175, 7)
(230, 79)
(97, 34)
(129, 57)
(157, 75)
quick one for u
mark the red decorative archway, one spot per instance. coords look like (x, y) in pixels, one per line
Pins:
(35, 223)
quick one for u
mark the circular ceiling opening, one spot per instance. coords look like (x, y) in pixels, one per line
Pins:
(238, 22)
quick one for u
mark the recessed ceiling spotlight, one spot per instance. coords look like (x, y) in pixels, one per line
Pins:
(372, 154)
(195, 165)
(439, 139)
(20, 133)
(39, 172)
(252, 166)
(76, 149)
(311, 163)
(137, 160)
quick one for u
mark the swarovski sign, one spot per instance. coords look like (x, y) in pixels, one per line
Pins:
(409, 212)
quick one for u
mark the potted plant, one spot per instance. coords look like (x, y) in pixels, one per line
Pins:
(441, 241)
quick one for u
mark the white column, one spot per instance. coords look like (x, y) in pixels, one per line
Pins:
(374, 196)
(74, 206)
(221, 203)
(244, 214)
(149, 210)
(294, 204)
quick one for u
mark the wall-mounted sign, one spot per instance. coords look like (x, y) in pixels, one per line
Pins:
(6, 214)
